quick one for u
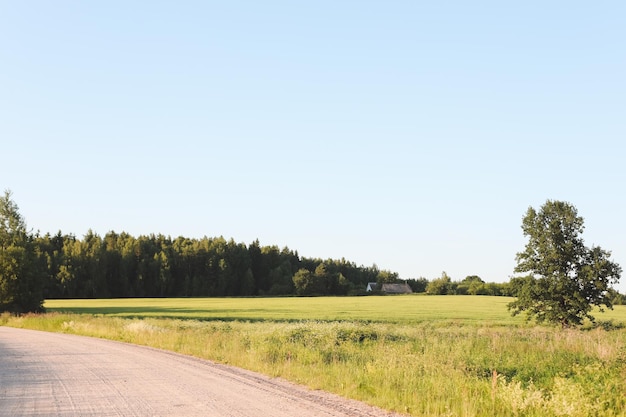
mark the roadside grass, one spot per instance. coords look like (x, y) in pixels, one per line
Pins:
(423, 356)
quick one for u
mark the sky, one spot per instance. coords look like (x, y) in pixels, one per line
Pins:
(413, 135)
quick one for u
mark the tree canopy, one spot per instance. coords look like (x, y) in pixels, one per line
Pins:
(121, 265)
(21, 282)
(566, 279)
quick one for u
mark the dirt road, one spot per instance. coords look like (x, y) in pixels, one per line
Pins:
(48, 374)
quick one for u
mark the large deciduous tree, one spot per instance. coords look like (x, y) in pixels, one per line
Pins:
(566, 279)
(21, 278)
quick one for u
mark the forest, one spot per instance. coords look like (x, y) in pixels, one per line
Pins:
(120, 265)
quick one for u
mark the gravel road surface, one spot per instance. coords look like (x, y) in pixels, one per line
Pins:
(50, 374)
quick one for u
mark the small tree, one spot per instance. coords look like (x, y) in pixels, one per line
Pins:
(566, 278)
(386, 277)
(308, 283)
(440, 286)
(21, 278)
(472, 285)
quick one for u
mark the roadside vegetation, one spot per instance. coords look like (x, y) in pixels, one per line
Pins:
(419, 355)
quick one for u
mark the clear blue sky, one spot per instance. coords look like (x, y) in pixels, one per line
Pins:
(413, 135)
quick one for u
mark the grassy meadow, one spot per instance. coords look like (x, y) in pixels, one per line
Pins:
(390, 309)
(419, 355)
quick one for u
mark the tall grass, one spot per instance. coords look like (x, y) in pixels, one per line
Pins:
(436, 367)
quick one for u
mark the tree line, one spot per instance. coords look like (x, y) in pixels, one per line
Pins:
(120, 265)
(34, 267)
(470, 285)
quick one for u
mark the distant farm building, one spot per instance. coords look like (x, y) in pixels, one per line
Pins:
(403, 288)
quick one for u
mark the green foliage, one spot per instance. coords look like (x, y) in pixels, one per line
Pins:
(21, 280)
(567, 279)
(472, 285)
(418, 285)
(616, 298)
(120, 265)
(386, 277)
(306, 283)
(440, 286)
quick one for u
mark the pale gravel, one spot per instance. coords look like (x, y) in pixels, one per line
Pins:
(51, 374)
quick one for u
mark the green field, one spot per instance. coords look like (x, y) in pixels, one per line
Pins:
(404, 309)
(465, 309)
(419, 355)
